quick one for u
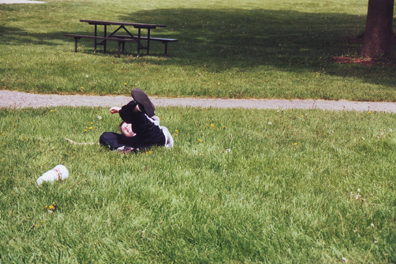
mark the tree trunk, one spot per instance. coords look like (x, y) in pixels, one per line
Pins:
(378, 33)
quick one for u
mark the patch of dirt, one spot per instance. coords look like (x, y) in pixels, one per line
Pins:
(364, 61)
(358, 60)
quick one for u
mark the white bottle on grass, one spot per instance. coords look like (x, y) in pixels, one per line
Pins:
(58, 173)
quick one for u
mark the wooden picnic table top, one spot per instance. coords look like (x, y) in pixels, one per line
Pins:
(136, 25)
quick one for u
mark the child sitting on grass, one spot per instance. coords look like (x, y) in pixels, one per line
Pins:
(140, 128)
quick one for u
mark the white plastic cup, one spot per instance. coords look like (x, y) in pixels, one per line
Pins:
(58, 173)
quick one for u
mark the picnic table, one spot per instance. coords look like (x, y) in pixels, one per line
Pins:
(122, 39)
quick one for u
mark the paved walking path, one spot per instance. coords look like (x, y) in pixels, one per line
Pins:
(14, 99)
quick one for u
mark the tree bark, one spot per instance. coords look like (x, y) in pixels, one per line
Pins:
(378, 33)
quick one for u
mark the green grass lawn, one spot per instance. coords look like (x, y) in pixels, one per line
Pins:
(226, 49)
(240, 186)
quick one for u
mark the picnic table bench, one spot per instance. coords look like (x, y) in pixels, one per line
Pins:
(119, 40)
(163, 40)
(122, 39)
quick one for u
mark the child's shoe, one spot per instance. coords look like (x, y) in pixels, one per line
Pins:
(144, 103)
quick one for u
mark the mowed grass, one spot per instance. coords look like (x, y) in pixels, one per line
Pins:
(226, 49)
(240, 186)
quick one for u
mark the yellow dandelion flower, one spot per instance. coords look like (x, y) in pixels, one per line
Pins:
(177, 131)
(51, 207)
(41, 221)
(3, 134)
(212, 125)
(369, 112)
(200, 140)
(37, 225)
(91, 123)
(85, 130)
(295, 144)
(90, 127)
(125, 83)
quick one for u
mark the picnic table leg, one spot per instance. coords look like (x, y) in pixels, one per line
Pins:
(75, 43)
(166, 48)
(96, 30)
(148, 41)
(138, 43)
(119, 44)
(104, 41)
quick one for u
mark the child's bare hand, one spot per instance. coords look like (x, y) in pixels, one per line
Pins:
(115, 110)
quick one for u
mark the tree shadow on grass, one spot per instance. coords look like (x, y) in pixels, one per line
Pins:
(256, 36)
(16, 36)
(238, 39)
(246, 39)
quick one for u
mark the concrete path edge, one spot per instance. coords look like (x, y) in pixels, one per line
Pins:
(14, 99)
